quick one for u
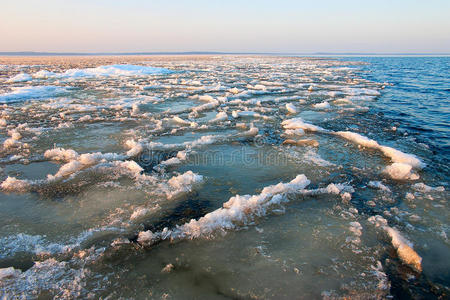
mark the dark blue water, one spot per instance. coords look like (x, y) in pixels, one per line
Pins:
(417, 97)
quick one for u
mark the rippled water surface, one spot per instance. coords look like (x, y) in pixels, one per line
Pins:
(224, 177)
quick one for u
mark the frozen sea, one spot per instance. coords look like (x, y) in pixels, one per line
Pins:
(225, 177)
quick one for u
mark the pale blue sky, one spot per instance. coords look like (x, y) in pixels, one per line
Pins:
(225, 25)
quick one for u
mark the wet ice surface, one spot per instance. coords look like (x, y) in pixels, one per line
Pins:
(215, 177)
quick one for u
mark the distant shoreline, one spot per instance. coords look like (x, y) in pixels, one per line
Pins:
(356, 54)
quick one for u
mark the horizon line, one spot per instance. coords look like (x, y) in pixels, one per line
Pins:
(45, 53)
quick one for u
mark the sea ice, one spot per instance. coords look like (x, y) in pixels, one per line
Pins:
(291, 108)
(105, 71)
(298, 123)
(323, 105)
(31, 92)
(21, 77)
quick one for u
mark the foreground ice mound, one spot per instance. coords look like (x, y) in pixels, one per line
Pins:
(240, 210)
(237, 210)
(31, 92)
(105, 71)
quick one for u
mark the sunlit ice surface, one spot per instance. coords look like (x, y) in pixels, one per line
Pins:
(223, 177)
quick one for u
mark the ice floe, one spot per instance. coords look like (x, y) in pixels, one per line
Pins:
(298, 123)
(291, 108)
(183, 183)
(323, 105)
(240, 210)
(402, 162)
(237, 210)
(404, 247)
(401, 171)
(31, 92)
(422, 187)
(220, 116)
(21, 77)
(105, 71)
(379, 185)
